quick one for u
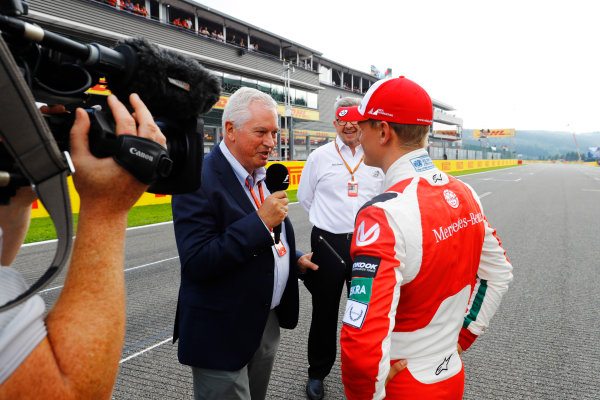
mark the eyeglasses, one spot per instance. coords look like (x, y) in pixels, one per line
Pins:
(343, 123)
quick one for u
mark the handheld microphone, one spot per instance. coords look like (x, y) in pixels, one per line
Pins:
(278, 178)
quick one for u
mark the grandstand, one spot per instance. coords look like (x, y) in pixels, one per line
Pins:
(240, 53)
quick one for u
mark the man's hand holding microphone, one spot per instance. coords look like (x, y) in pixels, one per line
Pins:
(275, 209)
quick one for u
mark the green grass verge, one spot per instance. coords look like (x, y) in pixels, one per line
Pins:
(43, 229)
(474, 171)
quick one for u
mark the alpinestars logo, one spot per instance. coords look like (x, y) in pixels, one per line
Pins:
(443, 366)
(342, 113)
(365, 238)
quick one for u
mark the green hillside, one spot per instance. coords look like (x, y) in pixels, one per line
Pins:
(542, 144)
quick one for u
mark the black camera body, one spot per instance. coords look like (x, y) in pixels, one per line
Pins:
(176, 89)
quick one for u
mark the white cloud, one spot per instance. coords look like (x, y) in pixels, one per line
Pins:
(526, 64)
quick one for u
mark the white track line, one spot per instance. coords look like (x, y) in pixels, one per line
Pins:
(145, 350)
(127, 270)
(129, 229)
(485, 194)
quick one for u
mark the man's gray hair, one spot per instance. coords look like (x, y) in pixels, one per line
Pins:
(345, 102)
(237, 110)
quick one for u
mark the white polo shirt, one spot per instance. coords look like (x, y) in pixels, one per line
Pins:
(323, 189)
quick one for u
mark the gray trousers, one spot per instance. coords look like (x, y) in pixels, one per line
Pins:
(251, 381)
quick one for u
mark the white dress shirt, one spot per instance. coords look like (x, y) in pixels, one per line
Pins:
(323, 189)
(21, 327)
(282, 264)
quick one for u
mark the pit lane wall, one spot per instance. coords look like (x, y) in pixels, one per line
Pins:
(295, 169)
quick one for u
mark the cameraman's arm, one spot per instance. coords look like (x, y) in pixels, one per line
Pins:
(79, 358)
(14, 221)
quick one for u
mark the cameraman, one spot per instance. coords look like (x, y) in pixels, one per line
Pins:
(74, 352)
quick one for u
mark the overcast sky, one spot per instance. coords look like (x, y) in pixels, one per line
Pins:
(523, 64)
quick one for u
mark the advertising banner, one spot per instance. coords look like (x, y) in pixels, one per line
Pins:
(381, 75)
(493, 133)
(299, 113)
(295, 170)
(593, 152)
(446, 134)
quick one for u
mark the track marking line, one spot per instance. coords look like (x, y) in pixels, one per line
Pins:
(501, 180)
(145, 350)
(128, 229)
(485, 194)
(127, 270)
(590, 190)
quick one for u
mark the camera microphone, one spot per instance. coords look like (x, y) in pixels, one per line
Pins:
(278, 178)
(169, 83)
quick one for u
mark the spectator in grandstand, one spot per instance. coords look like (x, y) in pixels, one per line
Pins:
(112, 3)
(334, 184)
(221, 37)
(251, 46)
(242, 44)
(205, 31)
(73, 353)
(188, 23)
(233, 40)
(429, 271)
(214, 34)
(255, 46)
(238, 286)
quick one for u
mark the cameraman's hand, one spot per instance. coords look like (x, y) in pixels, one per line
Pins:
(102, 184)
(274, 210)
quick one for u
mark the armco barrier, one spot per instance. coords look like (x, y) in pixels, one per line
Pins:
(295, 169)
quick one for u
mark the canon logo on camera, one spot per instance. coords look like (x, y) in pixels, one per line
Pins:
(141, 154)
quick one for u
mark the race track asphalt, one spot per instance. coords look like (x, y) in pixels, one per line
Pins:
(543, 343)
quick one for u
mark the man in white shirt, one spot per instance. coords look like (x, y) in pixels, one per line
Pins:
(334, 184)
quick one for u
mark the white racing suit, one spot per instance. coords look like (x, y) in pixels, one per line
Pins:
(428, 273)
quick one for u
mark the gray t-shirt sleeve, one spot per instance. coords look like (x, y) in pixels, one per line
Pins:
(22, 327)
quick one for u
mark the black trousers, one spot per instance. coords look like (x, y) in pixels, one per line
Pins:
(325, 286)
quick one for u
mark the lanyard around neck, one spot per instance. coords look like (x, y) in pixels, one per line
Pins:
(262, 197)
(352, 171)
(260, 191)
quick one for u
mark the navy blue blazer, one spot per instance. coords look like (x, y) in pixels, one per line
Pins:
(226, 272)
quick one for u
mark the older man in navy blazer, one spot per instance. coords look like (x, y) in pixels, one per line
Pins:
(237, 286)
